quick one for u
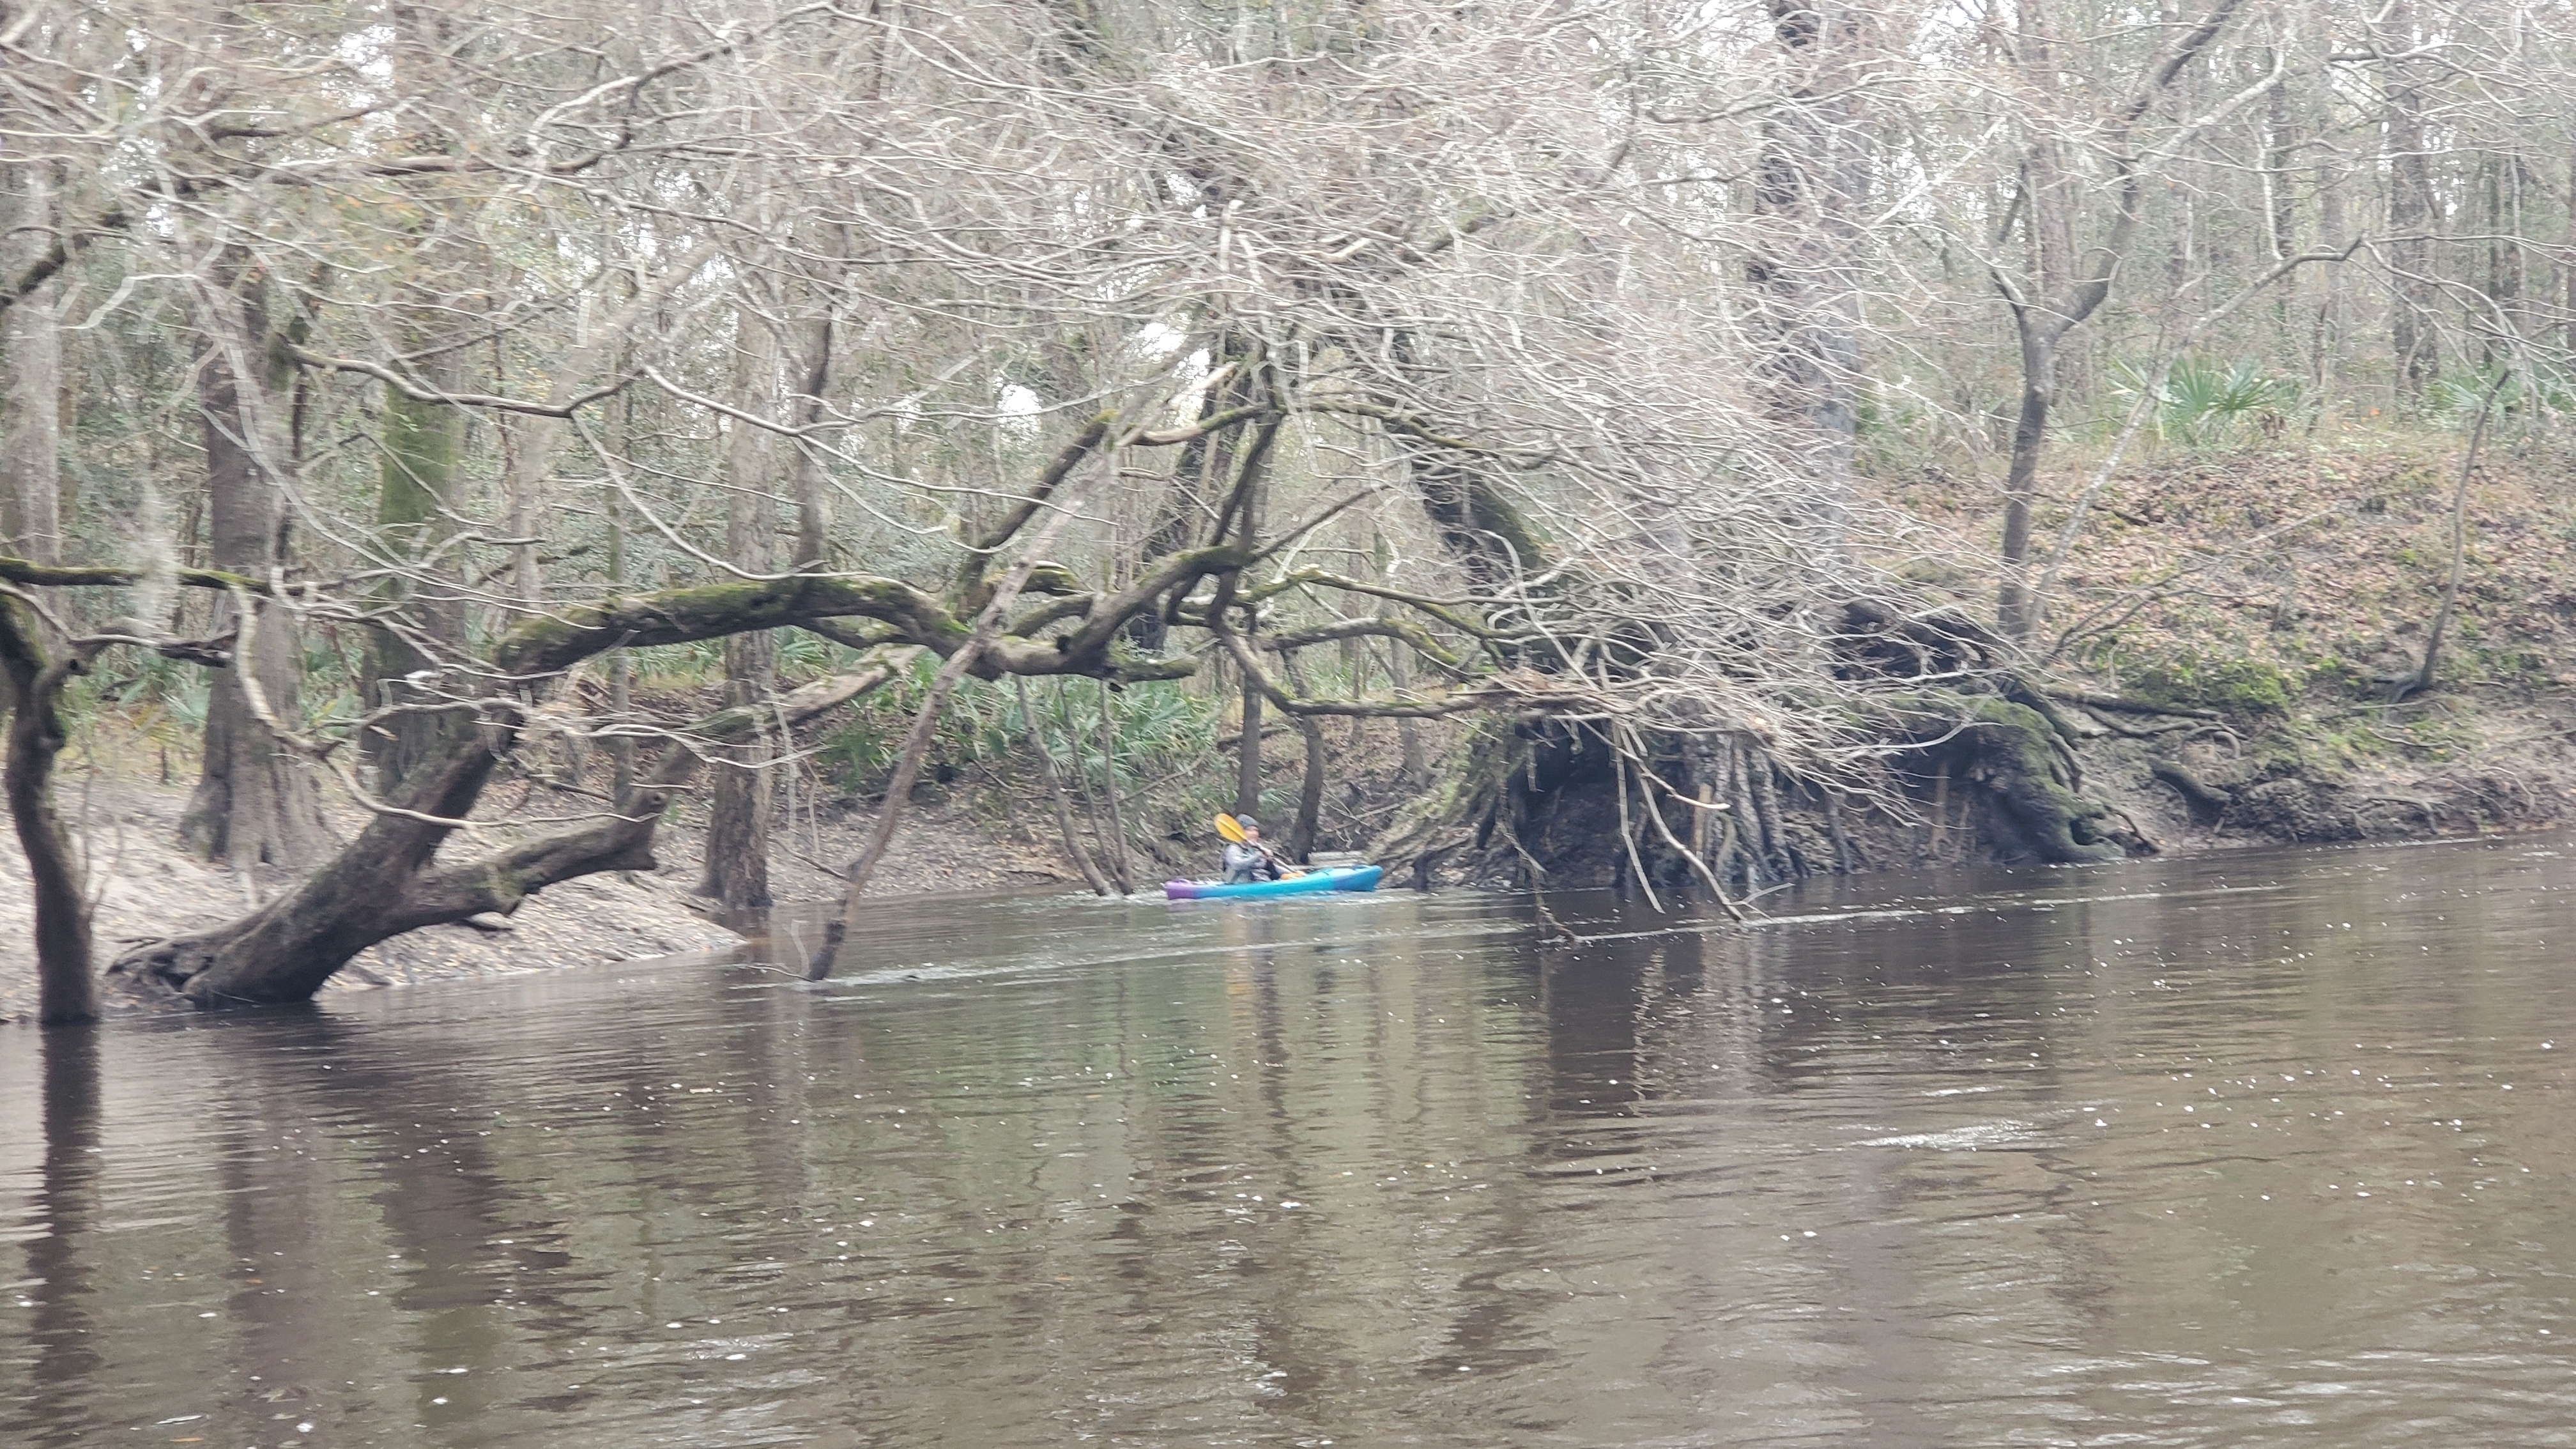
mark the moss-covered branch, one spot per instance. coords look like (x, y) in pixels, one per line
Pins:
(79, 576)
(550, 643)
(1402, 630)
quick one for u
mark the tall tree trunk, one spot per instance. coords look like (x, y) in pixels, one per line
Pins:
(1811, 181)
(739, 810)
(1247, 757)
(66, 986)
(2332, 337)
(253, 804)
(1411, 758)
(31, 508)
(1119, 864)
(2413, 335)
(813, 489)
(2567, 264)
(417, 510)
(621, 665)
(2016, 610)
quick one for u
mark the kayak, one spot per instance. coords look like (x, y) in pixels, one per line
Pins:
(1331, 878)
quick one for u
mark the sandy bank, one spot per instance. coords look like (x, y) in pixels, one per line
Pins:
(146, 886)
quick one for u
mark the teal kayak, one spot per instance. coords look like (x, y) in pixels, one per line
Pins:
(1331, 878)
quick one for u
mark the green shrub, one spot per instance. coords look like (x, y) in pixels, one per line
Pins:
(2202, 404)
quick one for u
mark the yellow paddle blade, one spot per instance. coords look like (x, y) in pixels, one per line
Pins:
(1232, 832)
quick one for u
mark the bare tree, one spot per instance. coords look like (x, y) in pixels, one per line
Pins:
(1106, 341)
(2063, 288)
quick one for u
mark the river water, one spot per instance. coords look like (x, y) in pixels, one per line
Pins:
(2265, 1149)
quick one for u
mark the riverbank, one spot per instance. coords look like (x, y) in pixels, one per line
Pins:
(146, 886)
(2279, 600)
(2267, 600)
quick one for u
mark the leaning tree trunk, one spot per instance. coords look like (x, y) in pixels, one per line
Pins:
(388, 881)
(253, 804)
(739, 808)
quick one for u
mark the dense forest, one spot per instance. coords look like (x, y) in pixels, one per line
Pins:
(393, 386)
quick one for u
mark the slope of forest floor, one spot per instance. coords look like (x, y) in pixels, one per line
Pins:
(2287, 589)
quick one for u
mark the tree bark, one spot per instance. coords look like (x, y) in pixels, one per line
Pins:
(67, 988)
(1810, 183)
(416, 513)
(813, 489)
(1310, 790)
(1247, 758)
(2413, 330)
(2567, 264)
(1119, 864)
(253, 804)
(739, 808)
(31, 502)
(1412, 759)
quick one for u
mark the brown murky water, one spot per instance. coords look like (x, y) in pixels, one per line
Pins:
(2253, 1151)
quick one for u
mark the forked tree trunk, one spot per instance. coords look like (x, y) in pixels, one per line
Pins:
(1310, 790)
(253, 804)
(2063, 290)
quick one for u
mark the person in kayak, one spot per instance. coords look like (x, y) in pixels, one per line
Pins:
(1249, 861)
